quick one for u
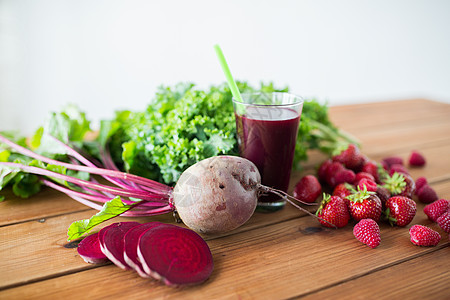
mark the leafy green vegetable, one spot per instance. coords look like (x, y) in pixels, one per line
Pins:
(183, 125)
(70, 125)
(110, 209)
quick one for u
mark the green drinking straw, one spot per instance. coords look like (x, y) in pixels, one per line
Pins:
(228, 76)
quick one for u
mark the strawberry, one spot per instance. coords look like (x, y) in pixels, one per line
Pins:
(307, 189)
(416, 159)
(370, 185)
(343, 190)
(361, 175)
(424, 236)
(444, 221)
(399, 184)
(420, 182)
(398, 168)
(365, 205)
(391, 160)
(350, 157)
(436, 209)
(427, 194)
(371, 167)
(367, 231)
(333, 210)
(400, 210)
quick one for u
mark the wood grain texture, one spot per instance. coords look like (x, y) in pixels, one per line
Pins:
(281, 255)
(426, 275)
(284, 260)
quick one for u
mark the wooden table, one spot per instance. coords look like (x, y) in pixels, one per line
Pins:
(280, 255)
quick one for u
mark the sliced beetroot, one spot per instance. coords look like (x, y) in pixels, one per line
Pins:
(111, 242)
(131, 241)
(89, 250)
(175, 255)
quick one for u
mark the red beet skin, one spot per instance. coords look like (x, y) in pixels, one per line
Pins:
(112, 242)
(131, 241)
(175, 255)
(89, 250)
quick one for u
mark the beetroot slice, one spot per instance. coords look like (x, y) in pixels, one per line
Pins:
(131, 240)
(111, 242)
(175, 255)
(89, 250)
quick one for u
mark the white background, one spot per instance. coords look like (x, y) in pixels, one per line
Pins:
(109, 55)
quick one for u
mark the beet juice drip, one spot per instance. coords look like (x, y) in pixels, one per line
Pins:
(267, 137)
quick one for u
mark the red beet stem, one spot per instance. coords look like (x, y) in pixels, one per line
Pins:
(156, 186)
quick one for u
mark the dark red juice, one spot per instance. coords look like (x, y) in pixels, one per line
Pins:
(267, 137)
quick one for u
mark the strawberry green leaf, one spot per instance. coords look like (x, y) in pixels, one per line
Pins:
(395, 183)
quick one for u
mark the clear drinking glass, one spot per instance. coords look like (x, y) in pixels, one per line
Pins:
(267, 128)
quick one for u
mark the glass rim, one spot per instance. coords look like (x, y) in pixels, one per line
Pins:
(300, 100)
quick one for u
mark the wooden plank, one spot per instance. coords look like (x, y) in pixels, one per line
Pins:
(364, 124)
(391, 141)
(428, 275)
(376, 114)
(12, 237)
(283, 260)
(274, 255)
(436, 168)
(43, 205)
(45, 256)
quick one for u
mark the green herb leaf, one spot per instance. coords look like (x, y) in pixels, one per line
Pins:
(111, 209)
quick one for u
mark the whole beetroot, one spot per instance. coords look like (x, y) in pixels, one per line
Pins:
(217, 195)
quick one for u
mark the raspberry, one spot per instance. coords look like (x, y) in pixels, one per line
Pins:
(436, 209)
(331, 170)
(371, 168)
(383, 194)
(427, 194)
(323, 169)
(389, 161)
(343, 176)
(416, 159)
(424, 236)
(384, 165)
(361, 175)
(350, 157)
(397, 168)
(444, 221)
(367, 231)
(420, 182)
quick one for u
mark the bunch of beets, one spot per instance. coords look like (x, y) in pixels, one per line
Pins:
(369, 192)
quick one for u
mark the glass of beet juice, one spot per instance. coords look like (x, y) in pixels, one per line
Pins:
(267, 127)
